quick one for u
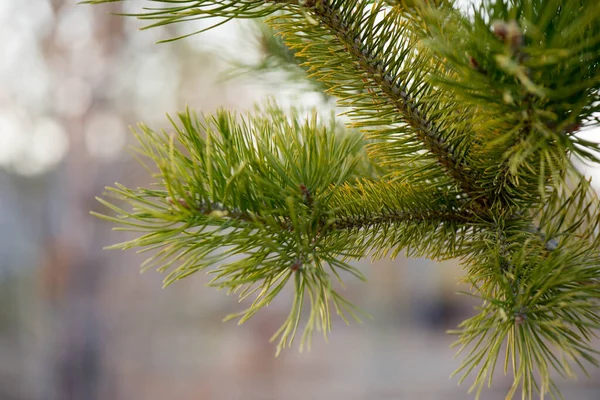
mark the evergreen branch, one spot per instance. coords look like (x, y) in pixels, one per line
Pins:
(259, 200)
(469, 122)
(541, 305)
(397, 93)
(388, 79)
(539, 87)
(380, 89)
(540, 288)
(246, 197)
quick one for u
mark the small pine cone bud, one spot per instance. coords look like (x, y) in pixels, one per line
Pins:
(307, 3)
(296, 265)
(306, 197)
(181, 202)
(508, 33)
(473, 63)
(574, 127)
(500, 29)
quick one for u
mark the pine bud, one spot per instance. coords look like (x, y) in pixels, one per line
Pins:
(500, 29)
(508, 32)
(180, 200)
(520, 318)
(307, 3)
(473, 63)
(574, 127)
(306, 197)
(296, 265)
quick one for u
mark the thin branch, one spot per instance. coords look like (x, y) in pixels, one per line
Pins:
(350, 222)
(365, 221)
(208, 208)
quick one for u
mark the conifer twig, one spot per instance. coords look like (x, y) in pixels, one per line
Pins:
(397, 94)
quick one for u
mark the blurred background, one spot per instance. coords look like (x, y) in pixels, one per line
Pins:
(81, 323)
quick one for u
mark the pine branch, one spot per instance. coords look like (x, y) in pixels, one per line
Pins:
(475, 125)
(540, 294)
(358, 222)
(350, 21)
(395, 91)
(279, 194)
(538, 86)
(383, 52)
